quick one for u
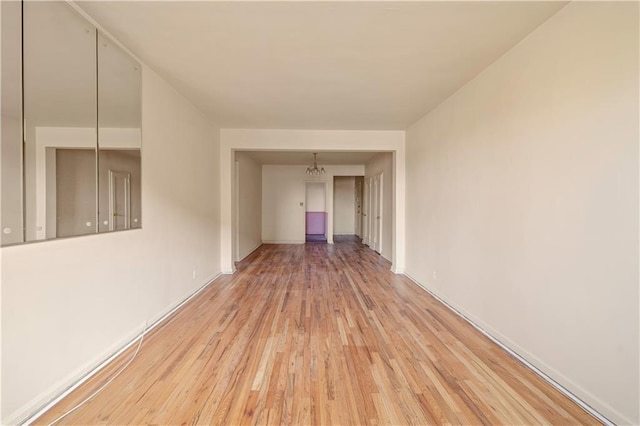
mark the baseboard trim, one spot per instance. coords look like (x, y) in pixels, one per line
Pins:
(566, 392)
(282, 242)
(250, 252)
(398, 271)
(33, 417)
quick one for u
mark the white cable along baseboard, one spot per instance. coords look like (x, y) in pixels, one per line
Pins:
(29, 420)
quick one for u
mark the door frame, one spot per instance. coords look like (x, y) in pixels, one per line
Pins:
(236, 213)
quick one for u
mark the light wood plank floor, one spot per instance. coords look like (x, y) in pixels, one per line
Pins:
(318, 334)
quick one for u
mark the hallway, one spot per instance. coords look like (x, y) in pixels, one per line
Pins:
(318, 334)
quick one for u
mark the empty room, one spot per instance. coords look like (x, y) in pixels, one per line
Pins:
(319, 212)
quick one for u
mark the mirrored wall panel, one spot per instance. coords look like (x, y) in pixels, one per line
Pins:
(11, 124)
(71, 126)
(60, 114)
(119, 138)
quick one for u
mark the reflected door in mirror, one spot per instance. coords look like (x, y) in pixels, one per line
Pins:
(119, 200)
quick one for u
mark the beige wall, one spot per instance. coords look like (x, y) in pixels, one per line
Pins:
(315, 197)
(344, 205)
(522, 202)
(249, 214)
(90, 295)
(383, 163)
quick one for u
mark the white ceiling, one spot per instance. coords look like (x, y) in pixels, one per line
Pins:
(319, 65)
(305, 158)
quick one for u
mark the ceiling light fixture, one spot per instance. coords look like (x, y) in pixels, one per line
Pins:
(314, 170)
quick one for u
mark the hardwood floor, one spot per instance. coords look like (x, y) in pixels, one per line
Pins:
(318, 334)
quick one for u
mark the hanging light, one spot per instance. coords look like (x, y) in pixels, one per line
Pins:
(314, 170)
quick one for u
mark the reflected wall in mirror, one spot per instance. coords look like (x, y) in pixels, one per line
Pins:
(60, 115)
(11, 123)
(119, 138)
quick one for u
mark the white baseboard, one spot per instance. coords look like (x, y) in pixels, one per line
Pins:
(282, 242)
(28, 416)
(250, 252)
(520, 358)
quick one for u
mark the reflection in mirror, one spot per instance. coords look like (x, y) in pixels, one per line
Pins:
(119, 189)
(74, 195)
(60, 121)
(11, 154)
(119, 138)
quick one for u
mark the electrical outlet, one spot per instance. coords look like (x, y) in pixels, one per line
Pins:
(194, 274)
(435, 277)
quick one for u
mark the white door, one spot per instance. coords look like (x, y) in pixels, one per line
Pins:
(375, 217)
(236, 213)
(378, 214)
(365, 212)
(119, 200)
(358, 207)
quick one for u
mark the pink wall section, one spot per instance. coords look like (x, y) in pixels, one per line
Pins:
(316, 223)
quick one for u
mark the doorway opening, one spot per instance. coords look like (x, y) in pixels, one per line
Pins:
(315, 222)
(347, 208)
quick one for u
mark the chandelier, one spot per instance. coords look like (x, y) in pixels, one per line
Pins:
(314, 170)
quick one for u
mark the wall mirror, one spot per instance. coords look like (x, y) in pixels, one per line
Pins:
(11, 123)
(119, 138)
(74, 98)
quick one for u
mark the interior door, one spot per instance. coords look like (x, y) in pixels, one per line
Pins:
(374, 214)
(365, 211)
(358, 207)
(378, 214)
(119, 200)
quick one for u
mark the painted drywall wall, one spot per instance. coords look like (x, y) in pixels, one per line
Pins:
(309, 140)
(250, 204)
(90, 295)
(344, 205)
(283, 199)
(315, 195)
(383, 163)
(522, 202)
